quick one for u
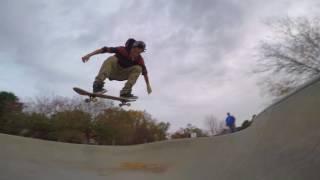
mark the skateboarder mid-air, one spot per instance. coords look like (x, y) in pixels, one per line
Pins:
(126, 64)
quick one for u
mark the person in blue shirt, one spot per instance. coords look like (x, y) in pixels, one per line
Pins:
(230, 122)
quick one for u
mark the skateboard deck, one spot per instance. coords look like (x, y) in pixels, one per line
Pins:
(92, 97)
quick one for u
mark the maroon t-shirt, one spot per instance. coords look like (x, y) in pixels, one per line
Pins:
(124, 59)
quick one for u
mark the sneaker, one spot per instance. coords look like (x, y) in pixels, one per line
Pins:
(98, 87)
(128, 96)
(102, 91)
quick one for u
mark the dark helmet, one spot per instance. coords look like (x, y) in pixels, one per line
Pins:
(139, 44)
(129, 43)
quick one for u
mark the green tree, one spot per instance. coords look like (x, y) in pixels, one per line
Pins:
(9, 103)
(9, 107)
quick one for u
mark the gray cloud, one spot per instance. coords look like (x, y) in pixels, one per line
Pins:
(198, 52)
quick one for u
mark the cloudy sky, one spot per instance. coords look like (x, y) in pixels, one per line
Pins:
(200, 53)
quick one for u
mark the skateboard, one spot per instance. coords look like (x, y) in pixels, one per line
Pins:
(92, 97)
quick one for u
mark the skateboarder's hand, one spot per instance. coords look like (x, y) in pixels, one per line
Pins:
(149, 89)
(85, 58)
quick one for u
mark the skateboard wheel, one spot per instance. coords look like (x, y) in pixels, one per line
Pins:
(94, 100)
(87, 100)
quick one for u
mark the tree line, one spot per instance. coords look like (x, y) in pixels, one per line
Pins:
(72, 120)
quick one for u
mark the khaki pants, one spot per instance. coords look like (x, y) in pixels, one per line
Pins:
(113, 71)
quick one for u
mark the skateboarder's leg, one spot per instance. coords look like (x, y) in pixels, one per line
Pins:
(104, 73)
(106, 68)
(132, 74)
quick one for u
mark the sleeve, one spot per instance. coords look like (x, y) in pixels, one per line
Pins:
(109, 49)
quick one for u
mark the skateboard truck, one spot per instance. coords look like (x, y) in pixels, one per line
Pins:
(123, 103)
(91, 99)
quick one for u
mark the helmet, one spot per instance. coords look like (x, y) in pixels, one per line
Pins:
(139, 44)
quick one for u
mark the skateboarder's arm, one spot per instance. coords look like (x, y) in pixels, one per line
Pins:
(145, 75)
(146, 78)
(99, 51)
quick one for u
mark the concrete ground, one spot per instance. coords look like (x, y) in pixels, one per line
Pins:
(282, 144)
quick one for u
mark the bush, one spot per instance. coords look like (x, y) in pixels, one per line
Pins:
(38, 126)
(13, 123)
(71, 126)
(117, 126)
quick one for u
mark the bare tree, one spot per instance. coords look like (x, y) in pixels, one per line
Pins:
(213, 125)
(50, 106)
(291, 55)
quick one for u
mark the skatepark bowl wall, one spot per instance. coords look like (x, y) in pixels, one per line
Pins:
(282, 144)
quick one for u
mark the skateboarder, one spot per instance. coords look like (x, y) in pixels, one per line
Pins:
(230, 122)
(126, 64)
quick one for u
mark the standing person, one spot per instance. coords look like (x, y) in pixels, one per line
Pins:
(126, 64)
(230, 122)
